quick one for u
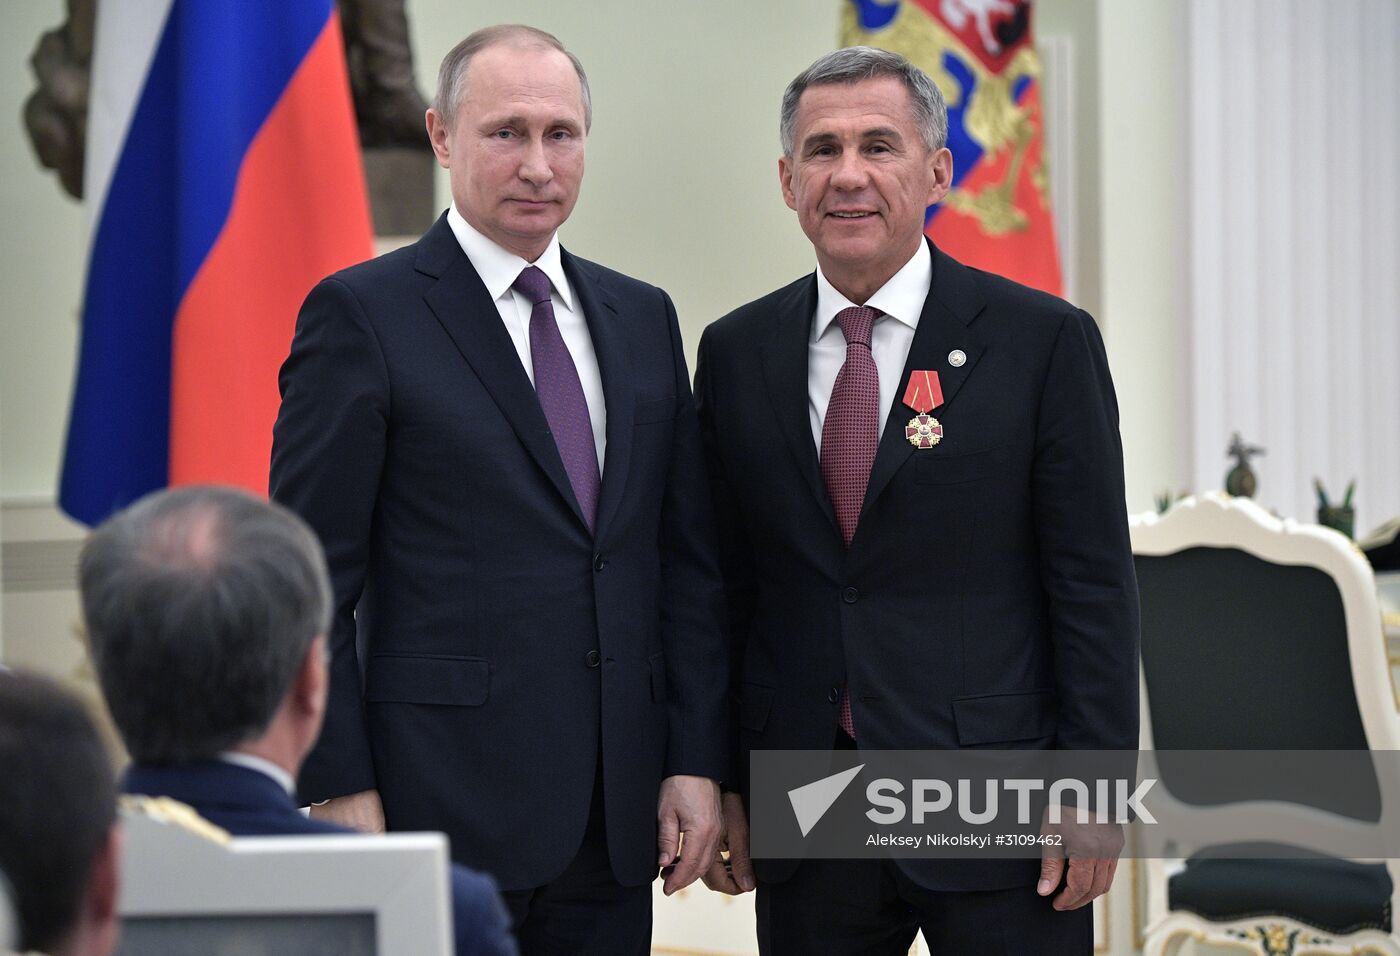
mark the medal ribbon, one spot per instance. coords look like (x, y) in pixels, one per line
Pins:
(924, 393)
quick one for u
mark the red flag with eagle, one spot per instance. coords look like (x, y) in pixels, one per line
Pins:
(979, 52)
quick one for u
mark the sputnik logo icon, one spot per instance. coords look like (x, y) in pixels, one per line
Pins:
(811, 801)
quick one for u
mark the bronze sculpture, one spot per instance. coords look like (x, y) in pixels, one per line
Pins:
(1241, 481)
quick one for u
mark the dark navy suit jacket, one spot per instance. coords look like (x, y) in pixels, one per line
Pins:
(988, 596)
(248, 803)
(489, 653)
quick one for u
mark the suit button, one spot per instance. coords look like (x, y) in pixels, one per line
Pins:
(834, 694)
(850, 595)
(592, 658)
(599, 563)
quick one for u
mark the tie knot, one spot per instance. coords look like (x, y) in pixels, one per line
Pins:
(533, 284)
(855, 324)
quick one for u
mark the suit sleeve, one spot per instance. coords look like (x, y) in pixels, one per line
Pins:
(692, 603)
(735, 555)
(480, 922)
(327, 453)
(1086, 564)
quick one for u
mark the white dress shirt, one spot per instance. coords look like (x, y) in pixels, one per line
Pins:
(498, 270)
(901, 299)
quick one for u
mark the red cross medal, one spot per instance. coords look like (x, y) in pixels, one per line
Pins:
(923, 395)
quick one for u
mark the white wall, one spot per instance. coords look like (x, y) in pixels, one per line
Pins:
(1142, 84)
(42, 234)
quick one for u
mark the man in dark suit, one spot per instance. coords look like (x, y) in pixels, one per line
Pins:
(918, 476)
(206, 611)
(497, 443)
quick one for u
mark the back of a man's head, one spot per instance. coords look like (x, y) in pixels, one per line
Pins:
(57, 815)
(201, 604)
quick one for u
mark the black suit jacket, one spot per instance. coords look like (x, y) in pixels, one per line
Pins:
(987, 598)
(248, 803)
(500, 644)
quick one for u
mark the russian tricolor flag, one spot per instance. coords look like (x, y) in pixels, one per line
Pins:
(224, 178)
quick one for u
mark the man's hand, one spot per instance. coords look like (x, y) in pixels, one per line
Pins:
(687, 811)
(735, 874)
(1093, 850)
(359, 811)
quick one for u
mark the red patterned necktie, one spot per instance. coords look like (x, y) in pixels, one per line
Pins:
(851, 434)
(561, 394)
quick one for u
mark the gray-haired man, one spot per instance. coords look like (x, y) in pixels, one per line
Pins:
(207, 611)
(913, 593)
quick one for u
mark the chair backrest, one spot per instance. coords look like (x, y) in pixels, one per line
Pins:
(197, 890)
(1259, 634)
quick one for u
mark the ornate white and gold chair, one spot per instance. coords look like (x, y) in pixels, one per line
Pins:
(1263, 635)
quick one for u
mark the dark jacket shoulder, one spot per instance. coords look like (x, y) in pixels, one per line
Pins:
(390, 265)
(755, 316)
(1004, 295)
(611, 279)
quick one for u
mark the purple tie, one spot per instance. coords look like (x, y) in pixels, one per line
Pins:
(561, 394)
(850, 436)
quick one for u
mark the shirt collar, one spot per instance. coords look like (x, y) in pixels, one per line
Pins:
(901, 298)
(266, 767)
(499, 268)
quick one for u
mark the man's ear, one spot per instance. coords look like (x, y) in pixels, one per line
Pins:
(941, 170)
(438, 135)
(103, 892)
(312, 682)
(785, 180)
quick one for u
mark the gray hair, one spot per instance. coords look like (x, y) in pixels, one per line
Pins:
(857, 63)
(201, 604)
(452, 75)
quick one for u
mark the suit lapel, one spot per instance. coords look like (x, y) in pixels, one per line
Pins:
(615, 366)
(953, 302)
(785, 374)
(465, 309)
